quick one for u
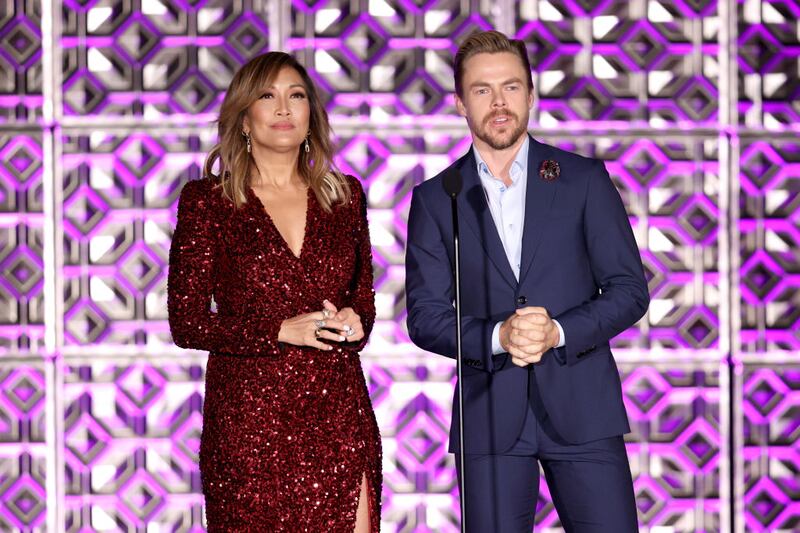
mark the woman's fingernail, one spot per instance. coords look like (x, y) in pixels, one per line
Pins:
(341, 338)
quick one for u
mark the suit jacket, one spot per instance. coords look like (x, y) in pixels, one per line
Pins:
(579, 261)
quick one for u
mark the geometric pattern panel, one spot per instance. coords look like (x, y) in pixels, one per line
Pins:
(386, 58)
(769, 229)
(119, 198)
(21, 242)
(20, 62)
(771, 458)
(653, 63)
(768, 46)
(22, 447)
(156, 59)
(671, 189)
(674, 446)
(131, 436)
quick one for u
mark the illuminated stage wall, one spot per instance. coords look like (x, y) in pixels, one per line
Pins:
(106, 109)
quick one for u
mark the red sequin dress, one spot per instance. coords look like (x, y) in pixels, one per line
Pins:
(288, 431)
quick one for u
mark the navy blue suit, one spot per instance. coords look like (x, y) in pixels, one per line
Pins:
(579, 261)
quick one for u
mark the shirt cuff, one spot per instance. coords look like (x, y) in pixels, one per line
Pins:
(497, 348)
(561, 340)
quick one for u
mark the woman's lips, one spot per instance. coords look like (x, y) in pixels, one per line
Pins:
(283, 126)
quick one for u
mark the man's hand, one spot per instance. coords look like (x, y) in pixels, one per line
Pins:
(528, 334)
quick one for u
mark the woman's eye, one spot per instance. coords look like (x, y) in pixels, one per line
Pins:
(265, 96)
(299, 95)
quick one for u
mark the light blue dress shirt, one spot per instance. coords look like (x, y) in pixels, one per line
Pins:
(507, 206)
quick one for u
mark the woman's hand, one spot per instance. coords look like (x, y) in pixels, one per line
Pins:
(311, 329)
(353, 330)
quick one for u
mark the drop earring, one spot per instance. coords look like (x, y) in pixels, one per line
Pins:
(247, 139)
(308, 148)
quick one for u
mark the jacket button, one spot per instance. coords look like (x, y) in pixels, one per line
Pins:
(521, 300)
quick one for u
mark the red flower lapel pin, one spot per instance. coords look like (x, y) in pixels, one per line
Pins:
(549, 170)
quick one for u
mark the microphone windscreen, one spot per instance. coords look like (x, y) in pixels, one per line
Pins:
(452, 183)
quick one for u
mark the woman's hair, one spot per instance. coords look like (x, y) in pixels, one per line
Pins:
(488, 42)
(235, 164)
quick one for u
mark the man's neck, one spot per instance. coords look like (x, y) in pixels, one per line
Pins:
(499, 161)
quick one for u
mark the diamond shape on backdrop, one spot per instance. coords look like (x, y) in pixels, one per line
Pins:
(22, 41)
(142, 495)
(138, 154)
(365, 39)
(760, 163)
(85, 209)
(249, 38)
(140, 268)
(21, 158)
(650, 498)
(645, 388)
(141, 383)
(187, 436)
(86, 439)
(25, 499)
(699, 443)
(699, 328)
(764, 391)
(83, 93)
(698, 99)
(137, 38)
(698, 218)
(760, 274)
(193, 94)
(644, 162)
(422, 96)
(23, 270)
(642, 45)
(23, 390)
(85, 323)
(764, 501)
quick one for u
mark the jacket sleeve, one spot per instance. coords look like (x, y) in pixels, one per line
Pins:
(362, 292)
(193, 261)
(430, 293)
(617, 269)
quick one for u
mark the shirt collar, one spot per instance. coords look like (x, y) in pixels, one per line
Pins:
(518, 167)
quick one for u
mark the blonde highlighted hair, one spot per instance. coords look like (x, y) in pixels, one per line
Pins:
(235, 164)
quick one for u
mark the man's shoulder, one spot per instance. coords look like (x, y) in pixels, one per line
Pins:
(567, 158)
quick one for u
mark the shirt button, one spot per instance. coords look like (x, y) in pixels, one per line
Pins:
(521, 300)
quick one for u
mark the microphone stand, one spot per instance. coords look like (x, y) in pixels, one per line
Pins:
(452, 185)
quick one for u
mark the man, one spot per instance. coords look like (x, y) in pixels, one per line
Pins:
(550, 273)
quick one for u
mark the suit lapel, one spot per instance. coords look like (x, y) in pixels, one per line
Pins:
(473, 209)
(538, 200)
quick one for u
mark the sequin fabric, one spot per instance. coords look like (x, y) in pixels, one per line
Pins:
(288, 431)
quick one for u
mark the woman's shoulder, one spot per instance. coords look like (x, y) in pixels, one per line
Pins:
(203, 192)
(357, 195)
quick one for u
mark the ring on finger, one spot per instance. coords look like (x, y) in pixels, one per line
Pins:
(326, 313)
(319, 324)
(317, 333)
(348, 330)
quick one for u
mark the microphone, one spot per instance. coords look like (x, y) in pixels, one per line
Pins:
(452, 185)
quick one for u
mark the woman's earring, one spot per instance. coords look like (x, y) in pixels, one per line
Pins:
(308, 148)
(247, 138)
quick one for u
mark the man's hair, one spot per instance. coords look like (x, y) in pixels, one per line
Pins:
(489, 42)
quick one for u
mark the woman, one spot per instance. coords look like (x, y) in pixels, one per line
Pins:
(280, 241)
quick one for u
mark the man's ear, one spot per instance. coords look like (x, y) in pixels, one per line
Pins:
(460, 106)
(530, 98)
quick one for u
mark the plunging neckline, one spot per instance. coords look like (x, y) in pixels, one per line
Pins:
(272, 224)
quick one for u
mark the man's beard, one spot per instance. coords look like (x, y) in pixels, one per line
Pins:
(495, 142)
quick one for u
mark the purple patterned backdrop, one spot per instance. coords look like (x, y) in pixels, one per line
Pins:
(106, 109)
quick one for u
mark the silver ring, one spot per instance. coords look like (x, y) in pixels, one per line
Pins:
(326, 313)
(319, 324)
(348, 331)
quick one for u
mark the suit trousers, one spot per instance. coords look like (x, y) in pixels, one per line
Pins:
(590, 483)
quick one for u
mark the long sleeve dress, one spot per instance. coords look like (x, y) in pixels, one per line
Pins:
(288, 431)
